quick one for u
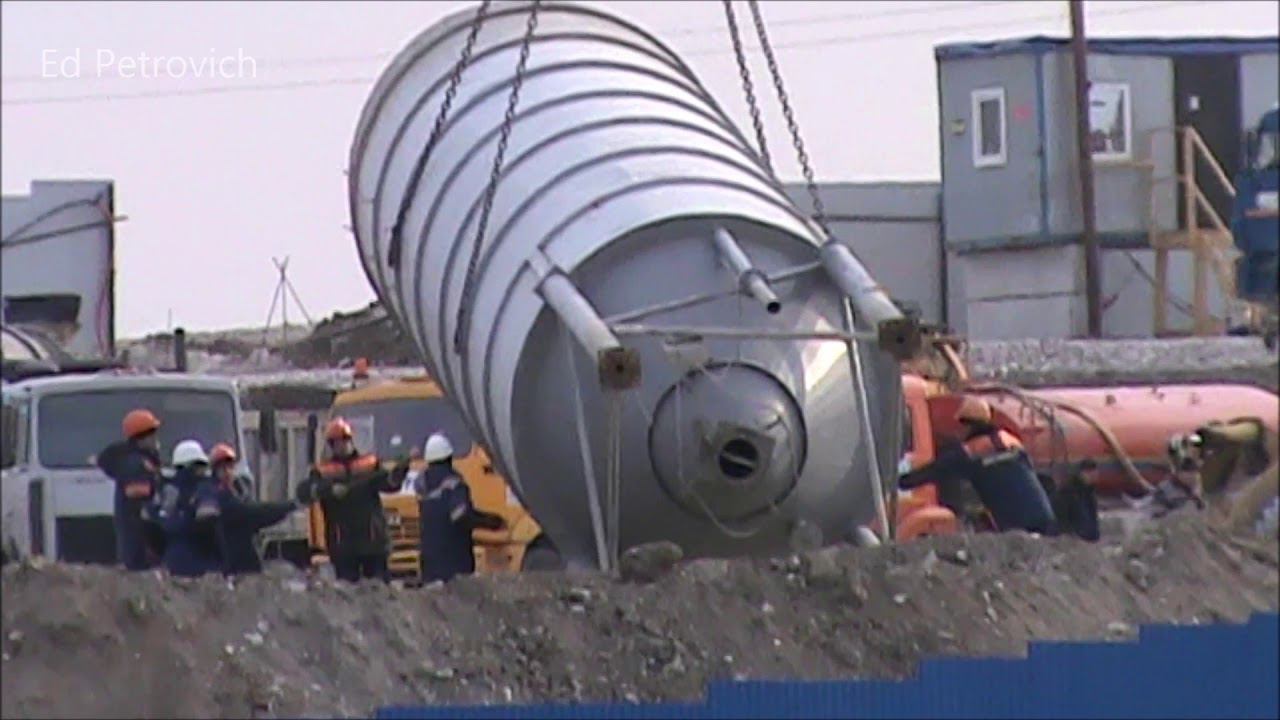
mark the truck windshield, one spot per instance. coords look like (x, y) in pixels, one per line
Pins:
(409, 421)
(75, 426)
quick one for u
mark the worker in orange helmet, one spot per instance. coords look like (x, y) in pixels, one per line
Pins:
(348, 487)
(134, 464)
(241, 517)
(223, 460)
(996, 465)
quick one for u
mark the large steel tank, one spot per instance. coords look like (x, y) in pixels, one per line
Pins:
(658, 342)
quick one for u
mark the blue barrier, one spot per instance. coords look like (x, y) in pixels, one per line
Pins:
(1196, 671)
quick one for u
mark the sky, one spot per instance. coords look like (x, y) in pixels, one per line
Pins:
(215, 183)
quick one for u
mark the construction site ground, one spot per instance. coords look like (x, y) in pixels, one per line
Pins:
(85, 641)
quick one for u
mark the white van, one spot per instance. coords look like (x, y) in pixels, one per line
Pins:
(56, 502)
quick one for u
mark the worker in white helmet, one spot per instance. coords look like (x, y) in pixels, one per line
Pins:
(187, 510)
(447, 515)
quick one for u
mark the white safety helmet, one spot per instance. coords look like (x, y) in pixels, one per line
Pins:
(437, 448)
(189, 452)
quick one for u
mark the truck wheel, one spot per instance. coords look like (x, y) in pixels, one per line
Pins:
(542, 556)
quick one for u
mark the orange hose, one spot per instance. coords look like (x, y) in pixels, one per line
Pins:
(1117, 450)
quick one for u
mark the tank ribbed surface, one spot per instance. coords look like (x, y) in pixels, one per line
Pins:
(619, 169)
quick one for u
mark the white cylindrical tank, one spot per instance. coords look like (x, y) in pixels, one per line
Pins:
(625, 190)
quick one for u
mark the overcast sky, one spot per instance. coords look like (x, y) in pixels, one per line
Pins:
(215, 184)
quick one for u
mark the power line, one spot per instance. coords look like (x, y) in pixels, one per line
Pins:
(845, 17)
(872, 37)
(207, 90)
(674, 32)
(801, 44)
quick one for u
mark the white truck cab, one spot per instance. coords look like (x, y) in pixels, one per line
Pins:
(56, 502)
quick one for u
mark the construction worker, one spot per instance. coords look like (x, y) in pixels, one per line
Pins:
(447, 516)
(996, 465)
(241, 517)
(188, 511)
(134, 464)
(348, 487)
(1233, 463)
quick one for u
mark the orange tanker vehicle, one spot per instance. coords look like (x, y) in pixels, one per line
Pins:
(1114, 438)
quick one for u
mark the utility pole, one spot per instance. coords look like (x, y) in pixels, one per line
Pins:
(1089, 237)
(284, 290)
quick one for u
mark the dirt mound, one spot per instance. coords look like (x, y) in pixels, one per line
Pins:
(82, 641)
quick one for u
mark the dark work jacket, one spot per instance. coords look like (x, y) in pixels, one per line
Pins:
(192, 546)
(447, 519)
(132, 466)
(355, 524)
(996, 465)
(239, 522)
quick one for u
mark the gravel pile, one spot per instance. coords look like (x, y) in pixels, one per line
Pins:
(1043, 362)
(86, 641)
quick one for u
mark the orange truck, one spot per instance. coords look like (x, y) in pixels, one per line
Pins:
(1122, 432)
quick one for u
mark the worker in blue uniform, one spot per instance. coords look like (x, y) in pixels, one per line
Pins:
(447, 517)
(134, 464)
(187, 510)
(996, 465)
(241, 516)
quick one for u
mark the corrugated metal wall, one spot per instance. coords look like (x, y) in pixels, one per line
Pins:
(895, 229)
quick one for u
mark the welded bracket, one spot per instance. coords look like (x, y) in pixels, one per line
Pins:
(900, 337)
(619, 368)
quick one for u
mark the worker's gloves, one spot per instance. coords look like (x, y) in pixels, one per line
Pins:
(168, 500)
(489, 521)
(399, 472)
(306, 492)
(904, 466)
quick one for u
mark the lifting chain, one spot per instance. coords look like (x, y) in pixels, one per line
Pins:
(494, 176)
(819, 212)
(455, 78)
(747, 89)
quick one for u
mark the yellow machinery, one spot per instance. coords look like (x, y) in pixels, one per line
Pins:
(393, 419)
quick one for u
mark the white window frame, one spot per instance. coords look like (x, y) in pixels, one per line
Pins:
(977, 98)
(1126, 91)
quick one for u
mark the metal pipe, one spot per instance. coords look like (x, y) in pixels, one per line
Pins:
(180, 350)
(588, 465)
(691, 300)
(869, 438)
(750, 279)
(870, 302)
(896, 333)
(577, 314)
(618, 367)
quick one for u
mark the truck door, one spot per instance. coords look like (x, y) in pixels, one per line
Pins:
(15, 480)
(1206, 92)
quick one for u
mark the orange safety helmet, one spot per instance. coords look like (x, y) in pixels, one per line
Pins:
(222, 453)
(973, 409)
(338, 429)
(138, 423)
